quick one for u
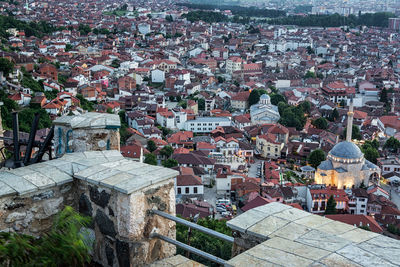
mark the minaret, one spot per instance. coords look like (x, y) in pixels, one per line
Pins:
(350, 115)
(393, 103)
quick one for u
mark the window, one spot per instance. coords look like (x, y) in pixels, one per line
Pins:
(362, 206)
(187, 190)
(179, 191)
(362, 211)
(204, 124)
(195, 190)
(210, 124)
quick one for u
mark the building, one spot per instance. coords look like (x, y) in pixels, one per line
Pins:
(358, 201)
(188, 185)
(345, 166)
(233, 64)
(269, 146)
(390, 125)
(390, 164)
(264, 111)
(394, 24)
(318, 195)
(240, 100)
(206, 124)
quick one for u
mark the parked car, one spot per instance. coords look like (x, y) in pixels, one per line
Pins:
(221, 209)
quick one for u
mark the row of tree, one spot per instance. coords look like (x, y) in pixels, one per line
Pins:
(37, 29)
(379, 19)
(239, 10)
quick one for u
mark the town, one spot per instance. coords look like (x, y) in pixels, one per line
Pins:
(248, 112)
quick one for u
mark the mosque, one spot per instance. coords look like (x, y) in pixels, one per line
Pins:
(264, 112)
(345, 166)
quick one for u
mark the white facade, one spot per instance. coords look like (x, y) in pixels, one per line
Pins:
(206, 124)
(157, 76)
(189, 190)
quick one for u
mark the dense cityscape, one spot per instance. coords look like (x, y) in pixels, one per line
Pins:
(293, 105)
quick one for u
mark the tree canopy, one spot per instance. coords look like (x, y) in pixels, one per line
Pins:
(151, 146)
(316, 157)
(166, 151)
(150, 159)
(204, 242)
(355, 134)
(320, 123)
(37, 29)
(392, 144)
(370, 152)
(170, 163)
(331, 206)
(293, 116)
(378, 19)
(6, 66)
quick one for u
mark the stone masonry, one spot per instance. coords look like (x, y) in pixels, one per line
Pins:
(116, 192)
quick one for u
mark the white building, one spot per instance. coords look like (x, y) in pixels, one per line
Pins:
(233, 64)
(264, 111)
(206, 124)
(188, 185)
(157, 76)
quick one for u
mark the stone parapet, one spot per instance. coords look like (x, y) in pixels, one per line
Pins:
(117, 193)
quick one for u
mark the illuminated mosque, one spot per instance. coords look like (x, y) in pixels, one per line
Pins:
(345, 166)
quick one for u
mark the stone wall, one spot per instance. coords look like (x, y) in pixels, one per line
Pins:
(33, 213)
(122, 223)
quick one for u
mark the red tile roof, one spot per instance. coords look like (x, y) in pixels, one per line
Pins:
(357, 220)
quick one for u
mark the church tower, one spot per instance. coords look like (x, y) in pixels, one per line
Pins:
(350, 116)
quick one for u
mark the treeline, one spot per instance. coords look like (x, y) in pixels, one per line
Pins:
(37, 29)
(380, 19)
(239, 10)
(206, 16)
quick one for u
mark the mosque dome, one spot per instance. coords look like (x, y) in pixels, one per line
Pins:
(346, 150)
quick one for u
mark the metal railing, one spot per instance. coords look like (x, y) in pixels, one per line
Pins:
(190, 248)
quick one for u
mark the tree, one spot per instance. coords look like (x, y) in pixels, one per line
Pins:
(63, 246)
(166, 151)
(6, 66)
(362, 185)
(205, 242)
(305, 106)
(150, 159)
(254, 97)
(383, 97)
(68, 47)
(355, 134)
(151, 146)
(316, 157)
(392, 144)
(84, 29)
(169, 18)
(334, 115)
(115, 63)
(201, 104)
(170, 163)
(310, 74)
(370, 153)
(331, 206)
(320, 123)
(276, 98)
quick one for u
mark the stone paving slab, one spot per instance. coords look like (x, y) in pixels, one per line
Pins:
(311, 240)
(291, 231)
(267, 226)
(6, 190)
(108, 168)
(18, 183)
(242, 223)
(90, 120)
(323, 240)
(246, 259)
(337, 260)
(363, 257)
(296, 248)
(176, 261)
(277, 256)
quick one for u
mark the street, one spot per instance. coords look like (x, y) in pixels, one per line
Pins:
(394, 196)
(253, 169)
